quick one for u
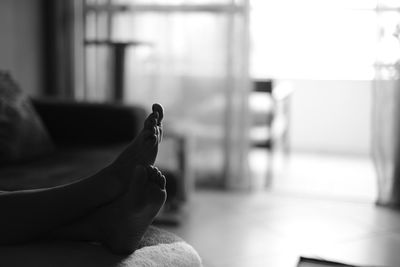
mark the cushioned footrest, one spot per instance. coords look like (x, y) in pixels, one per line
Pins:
(157, 248)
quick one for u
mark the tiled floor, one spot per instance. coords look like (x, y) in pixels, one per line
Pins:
(275, 227)
(327, 175)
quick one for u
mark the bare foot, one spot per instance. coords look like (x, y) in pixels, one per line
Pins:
(127, 219)
(120, 225)
(144, 148)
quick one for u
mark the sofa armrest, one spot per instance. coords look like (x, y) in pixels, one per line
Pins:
(71, 122)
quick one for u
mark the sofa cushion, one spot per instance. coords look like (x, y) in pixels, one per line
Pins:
(64, 165)
(22, 133)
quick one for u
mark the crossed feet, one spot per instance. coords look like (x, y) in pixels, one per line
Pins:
(120, 224)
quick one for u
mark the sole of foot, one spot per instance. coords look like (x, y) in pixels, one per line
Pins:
(143, 149)
(124, 221)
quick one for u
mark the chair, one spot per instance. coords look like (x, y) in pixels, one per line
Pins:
(270, 108)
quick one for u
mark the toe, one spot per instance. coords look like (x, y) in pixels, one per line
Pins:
(151, 121)
(160, 134)
(151, 170)
(162, 181)
(157, 108)
(156, 177)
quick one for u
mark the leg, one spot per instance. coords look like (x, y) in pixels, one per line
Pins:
(121, 224)
(28, 214)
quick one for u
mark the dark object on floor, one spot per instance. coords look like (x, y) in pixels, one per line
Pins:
(313, 262)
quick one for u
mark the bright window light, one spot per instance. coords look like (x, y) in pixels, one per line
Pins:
(313, 39)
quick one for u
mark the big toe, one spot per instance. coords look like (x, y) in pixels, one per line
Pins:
(160, 110)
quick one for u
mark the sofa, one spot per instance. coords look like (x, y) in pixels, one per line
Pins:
(86, 137)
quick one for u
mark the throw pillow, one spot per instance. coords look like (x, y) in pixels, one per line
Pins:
(22, 133)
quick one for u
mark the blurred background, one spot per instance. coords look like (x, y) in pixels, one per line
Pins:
(280, 115)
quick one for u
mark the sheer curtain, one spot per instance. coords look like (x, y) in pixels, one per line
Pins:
(195, 63)
(386, 113)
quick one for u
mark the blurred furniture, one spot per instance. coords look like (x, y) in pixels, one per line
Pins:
(269, 108)
(118, 53)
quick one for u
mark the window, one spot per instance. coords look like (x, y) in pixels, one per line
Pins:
(313, 39)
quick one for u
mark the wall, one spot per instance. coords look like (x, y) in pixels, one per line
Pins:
(331, 116)
(20, 42)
